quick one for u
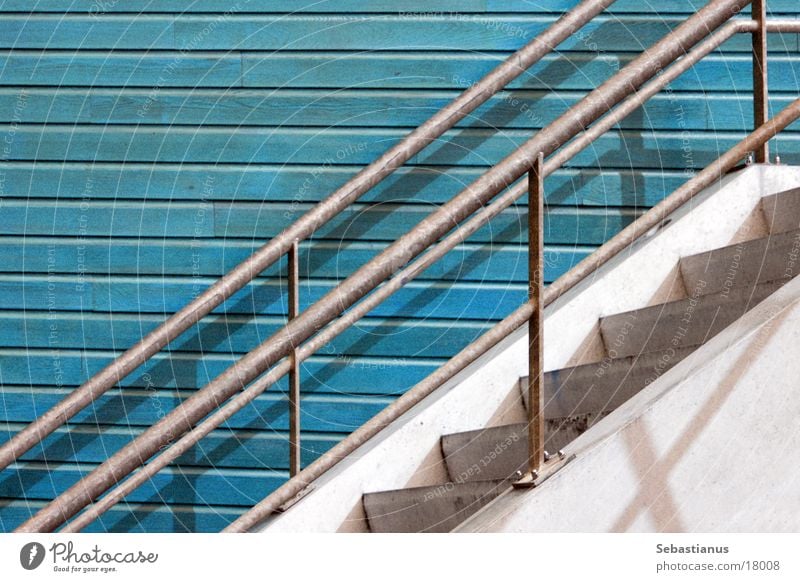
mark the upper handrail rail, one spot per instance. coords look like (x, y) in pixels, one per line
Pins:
(444, 120)
(672, 49)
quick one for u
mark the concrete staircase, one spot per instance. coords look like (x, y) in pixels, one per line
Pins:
(641, 345)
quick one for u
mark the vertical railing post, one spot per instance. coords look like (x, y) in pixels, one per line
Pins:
(294, 372)
(535, 276)
(760, 83)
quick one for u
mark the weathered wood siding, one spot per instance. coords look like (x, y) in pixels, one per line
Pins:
(148, 147)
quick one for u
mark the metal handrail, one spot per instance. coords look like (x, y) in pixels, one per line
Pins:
(664, 52)
(294, 488)
(361, 309)
(305, 226)
(379, 269)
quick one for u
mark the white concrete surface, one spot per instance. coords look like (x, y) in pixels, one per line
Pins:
(648, 274)
(713, 446)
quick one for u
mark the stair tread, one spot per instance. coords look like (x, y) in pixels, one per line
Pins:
(432, 509)
(743, 264)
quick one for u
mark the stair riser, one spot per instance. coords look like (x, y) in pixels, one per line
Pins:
(744, 265)
(436, 509)
(682, 324)
(782, 211)
(601, 386)
(499, 452)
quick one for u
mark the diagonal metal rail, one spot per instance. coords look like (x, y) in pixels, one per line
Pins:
(182, 419)
(306, 225)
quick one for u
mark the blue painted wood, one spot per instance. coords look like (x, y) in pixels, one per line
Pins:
(165, 295)
(407, 338)
(365, 70)
(580, 71)
(275, 108)
(360, 6)
(618, 149)
(333, 372)
(254, 221)
(145, 407)
(152, 517)
(319, 259)
(101, 181)
(222, 448)
(186, 485)
(134, 176)
(352, 32)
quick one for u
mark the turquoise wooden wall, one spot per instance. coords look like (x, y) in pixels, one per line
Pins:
(148, 147)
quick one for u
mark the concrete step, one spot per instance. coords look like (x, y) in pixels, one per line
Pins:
(678, 324)
(498, 452)
(434, 509)
(782, 211)
(744, 264)
(575, 398)
(602, 386)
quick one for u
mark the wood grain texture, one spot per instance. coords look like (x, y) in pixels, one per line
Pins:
(358, 6)
(409, 31)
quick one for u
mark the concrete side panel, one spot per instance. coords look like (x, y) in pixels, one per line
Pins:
(713, 446)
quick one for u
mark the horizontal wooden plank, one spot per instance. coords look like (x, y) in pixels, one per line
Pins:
(358, 6)
(327, 374)
(126, 69)
(157, 71)
(510, 110)
(121, 256)
(333, 414)
(371, 108)
(186, 485)
(223, 448)
(121, 218)
(261, 222)
(255, 182)
(275, 108)
(409, 31)
(482, 302)
(394, 338)
(617, 149)
(580, 71)
(134, 518)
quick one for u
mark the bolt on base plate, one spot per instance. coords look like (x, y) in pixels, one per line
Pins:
(547, 470)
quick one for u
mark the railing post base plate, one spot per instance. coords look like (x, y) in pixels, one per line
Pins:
(536, 478)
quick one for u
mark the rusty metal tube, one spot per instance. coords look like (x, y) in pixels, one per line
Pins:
(536, 195)
(181, 419)
(760, 80)
(783, 25)
(242, 274)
